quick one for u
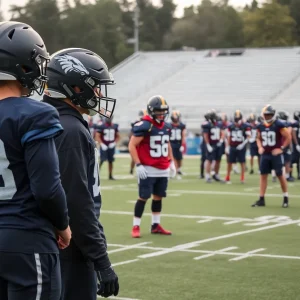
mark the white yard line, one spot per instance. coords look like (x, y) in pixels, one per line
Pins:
(125, 262)
(118, 298)
(213, 253)
(233, 222)
(205, 221)
(248, 254)
(136, 246)
(221, 237)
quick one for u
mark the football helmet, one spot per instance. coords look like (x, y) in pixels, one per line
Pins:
(82, 76)
(207, 115)
(213, 116)
(297, 115)
(142, 113)
(252, 118)
(175, 116)
(158, 108)
(237, 116)
(268, 110)
(283, 115)
(23, 55)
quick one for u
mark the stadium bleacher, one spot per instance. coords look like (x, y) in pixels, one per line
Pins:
(194, 83)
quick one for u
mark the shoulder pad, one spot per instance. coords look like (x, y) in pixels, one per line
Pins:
(39, 121)
(141, 128)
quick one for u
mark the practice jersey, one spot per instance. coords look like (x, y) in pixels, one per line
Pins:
(238, 133)
(22, 122)
(253, 132)
(296, 127)
(108, 132)
(270, 135)
(213, 130)
(176, 134)
(153, 151)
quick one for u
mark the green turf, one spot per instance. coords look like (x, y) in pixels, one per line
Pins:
(177, 275)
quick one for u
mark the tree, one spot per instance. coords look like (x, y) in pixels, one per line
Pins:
(269, 26)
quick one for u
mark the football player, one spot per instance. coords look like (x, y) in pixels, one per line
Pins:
(203, 146)
(214, 138)
(108, 136)
(287, 154)
(32, 199)
(253, 144)
(296, 142)
(141, 114)
(75, 88)
(151, 151)
(238, 134)
(177, 139)
(272, 139)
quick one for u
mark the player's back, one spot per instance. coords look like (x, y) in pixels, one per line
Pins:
(23, 120)
(108, 132)
(176, 134)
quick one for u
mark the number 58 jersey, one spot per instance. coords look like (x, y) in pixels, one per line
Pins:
(153, 150)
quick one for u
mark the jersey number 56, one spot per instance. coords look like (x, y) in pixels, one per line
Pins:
(159, 145)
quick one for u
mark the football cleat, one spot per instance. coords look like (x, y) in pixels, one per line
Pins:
(158, 229)
(259, 203)
(285, 203)
(251, 172)
(135, 233)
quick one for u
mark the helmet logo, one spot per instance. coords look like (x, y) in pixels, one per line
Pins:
(69, 63)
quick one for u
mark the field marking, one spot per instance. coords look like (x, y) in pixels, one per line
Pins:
(219, 252)
(125, 262)
(128, 247)
(262, 220)
(213, 253)
(248, 254)
(126, 188)
(221, 237)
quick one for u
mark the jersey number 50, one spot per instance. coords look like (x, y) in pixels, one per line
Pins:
(159, 145)
(268, 138)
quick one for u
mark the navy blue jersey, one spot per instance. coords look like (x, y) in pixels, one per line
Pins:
(296, 127)
(238, 133)
(79, 168)
(153, 150)
(108, 132)
(253, 132)
(213, 130)
(270, 135)
(29, 180)
(176, 134)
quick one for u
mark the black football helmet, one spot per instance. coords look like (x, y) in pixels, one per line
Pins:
(297, 115)
(23, 56)
(268, 110)
(213, 116)
(237, 116)
(157, 106)
(84, 69)
(207, 115)
(175, 116)
(283, 115)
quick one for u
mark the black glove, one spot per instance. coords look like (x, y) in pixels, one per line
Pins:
(108, 282)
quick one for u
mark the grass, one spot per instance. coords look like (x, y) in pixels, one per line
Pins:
(177, 275)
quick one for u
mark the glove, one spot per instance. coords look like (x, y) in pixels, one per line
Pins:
(108, 283)
(103, 147)
(209, 148)
(141, 171)
(227, 149)
(242, 145)
(181, 149)
(172, 169)
(112, 145)
(298, 148)
(220, 143)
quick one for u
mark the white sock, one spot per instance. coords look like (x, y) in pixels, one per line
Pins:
(136, 221)
(287, 175)
(155, 218)
(235, 168)
(273, 173)
(207, 175)
(285, 194)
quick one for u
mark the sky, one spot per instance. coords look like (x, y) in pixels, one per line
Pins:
(5, 4)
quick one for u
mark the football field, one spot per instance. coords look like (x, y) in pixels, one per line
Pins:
(221, 248)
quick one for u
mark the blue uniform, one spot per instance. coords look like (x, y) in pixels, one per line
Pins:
(214, 135)
(154, 155)
(108, 134)
(32, 200)
(176, 139)
(253, 143)
(296, 155)
(238, 134)
(271, 138)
